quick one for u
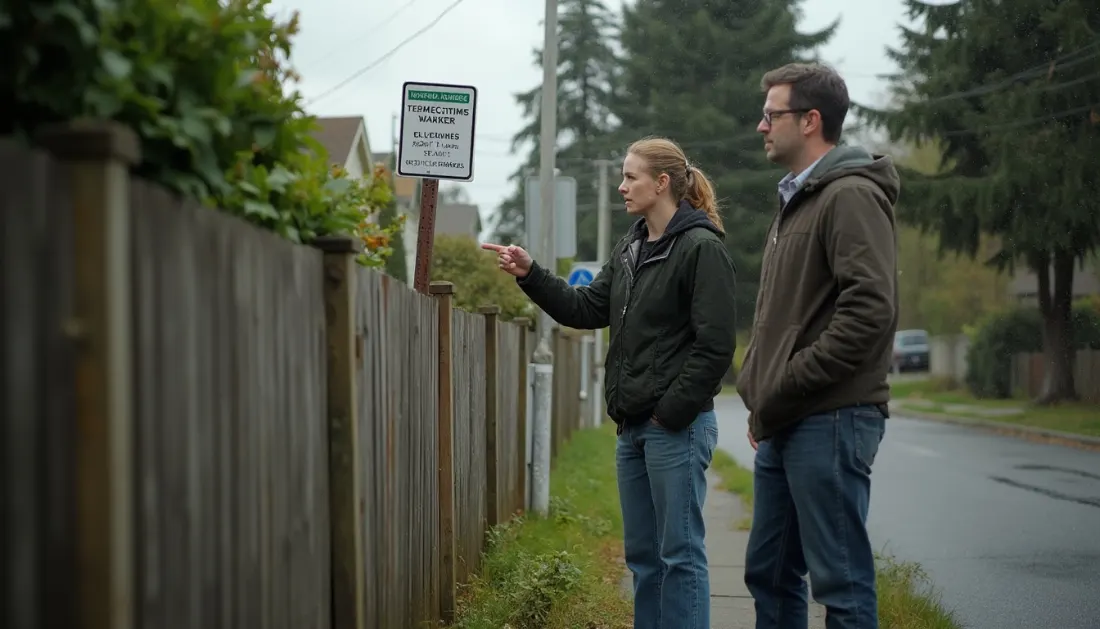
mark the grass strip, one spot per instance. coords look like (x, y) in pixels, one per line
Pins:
(736, 480)
(563, 571)
(906, 597)
(943, 397)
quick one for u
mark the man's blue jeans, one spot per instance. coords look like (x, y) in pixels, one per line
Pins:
(812, 486)
(662, 488)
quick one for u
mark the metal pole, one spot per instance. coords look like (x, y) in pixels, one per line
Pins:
(543, 358)
(586, 372)
(603, 233)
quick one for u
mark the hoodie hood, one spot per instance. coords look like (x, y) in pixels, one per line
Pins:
(846, 161)
(685, 218)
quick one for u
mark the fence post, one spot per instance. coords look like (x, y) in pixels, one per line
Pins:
(98, 155)
(345, 522)
(492, 451)
(520, 499)
(448, 576)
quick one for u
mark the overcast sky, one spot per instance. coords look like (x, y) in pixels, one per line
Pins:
(488, 43)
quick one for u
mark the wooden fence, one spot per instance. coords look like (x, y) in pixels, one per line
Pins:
(1028, 371)
(204, 425)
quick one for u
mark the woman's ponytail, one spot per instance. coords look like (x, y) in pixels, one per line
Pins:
(700, 194)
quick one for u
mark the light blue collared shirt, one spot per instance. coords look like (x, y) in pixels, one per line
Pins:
(790, 184)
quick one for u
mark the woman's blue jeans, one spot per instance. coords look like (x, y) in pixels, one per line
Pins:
(662, 488)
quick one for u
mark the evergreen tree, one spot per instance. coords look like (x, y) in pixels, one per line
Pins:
(691, 72)
(586, 67)
(1009, 89)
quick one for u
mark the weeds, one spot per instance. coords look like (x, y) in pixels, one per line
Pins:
(562, 571)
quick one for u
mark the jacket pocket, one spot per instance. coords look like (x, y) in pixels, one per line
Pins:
(773, 352)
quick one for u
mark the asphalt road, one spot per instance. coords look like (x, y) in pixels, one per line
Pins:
(1008, 530)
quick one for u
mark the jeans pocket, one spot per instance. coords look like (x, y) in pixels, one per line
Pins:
(711, 433)
(868, 428)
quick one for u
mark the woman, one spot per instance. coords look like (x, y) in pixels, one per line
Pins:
(667, 293)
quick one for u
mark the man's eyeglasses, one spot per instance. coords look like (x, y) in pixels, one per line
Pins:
(768, 115)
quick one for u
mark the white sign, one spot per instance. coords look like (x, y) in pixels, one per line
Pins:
(583, 273)
(437, 131)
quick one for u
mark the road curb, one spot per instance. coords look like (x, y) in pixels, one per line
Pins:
(1057, 436)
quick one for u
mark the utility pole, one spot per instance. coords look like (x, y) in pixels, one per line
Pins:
(603, 245)
(543, 358)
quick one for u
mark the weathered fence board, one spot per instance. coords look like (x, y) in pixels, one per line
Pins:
(231, 436)
(398, 414)
(510, 417)
(469, 433)
(1029, 370)
(37, 399)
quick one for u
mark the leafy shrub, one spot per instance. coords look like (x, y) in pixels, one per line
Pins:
(207, 87)
(1003, 335)
(544, 579)
(477, 279)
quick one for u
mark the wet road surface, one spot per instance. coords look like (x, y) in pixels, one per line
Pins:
(1008, 530)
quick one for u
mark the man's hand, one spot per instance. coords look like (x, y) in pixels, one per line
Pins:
(511, 259)
(752, 442)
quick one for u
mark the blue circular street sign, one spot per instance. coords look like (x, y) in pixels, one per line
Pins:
(580, 277)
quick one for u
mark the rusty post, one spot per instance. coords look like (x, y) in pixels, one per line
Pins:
(425, 235)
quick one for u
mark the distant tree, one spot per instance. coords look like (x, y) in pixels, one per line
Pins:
(691, 72)
(1009, 90)
(943, 291)
(477, 280)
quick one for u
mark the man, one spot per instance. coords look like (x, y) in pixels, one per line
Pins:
(814, 376)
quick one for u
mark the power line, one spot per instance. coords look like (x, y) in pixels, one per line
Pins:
(358, 37)
(1064, 61)
(373, 64)
(1058, 115)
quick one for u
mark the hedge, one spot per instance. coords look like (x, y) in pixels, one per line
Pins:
(208, 88)
(1003, 335)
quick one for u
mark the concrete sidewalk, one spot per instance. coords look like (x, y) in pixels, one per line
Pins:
(731, 605)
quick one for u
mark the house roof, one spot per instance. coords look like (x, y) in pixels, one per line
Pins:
(457, 219)
(337, 135)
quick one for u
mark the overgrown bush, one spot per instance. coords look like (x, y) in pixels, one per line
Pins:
(460, 260)
(207, 87)
(1003, 335)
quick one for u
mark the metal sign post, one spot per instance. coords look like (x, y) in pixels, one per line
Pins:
(437, 142)
(582, 274)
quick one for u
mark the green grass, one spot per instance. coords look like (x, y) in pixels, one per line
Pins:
(936, 395)
(736, 480)
(906, 597)
(563, 571)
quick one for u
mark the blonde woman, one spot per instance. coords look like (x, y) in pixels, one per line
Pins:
(667, 293)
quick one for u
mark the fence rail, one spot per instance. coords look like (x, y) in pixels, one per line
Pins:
(207, 426)
(1028, 371)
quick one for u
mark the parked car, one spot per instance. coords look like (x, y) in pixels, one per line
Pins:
(910, 350)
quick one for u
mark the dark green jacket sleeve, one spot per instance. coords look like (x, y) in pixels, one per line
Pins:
(582, 308)
(712, 321)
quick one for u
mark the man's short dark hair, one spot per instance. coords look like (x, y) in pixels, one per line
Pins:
(814, 86)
